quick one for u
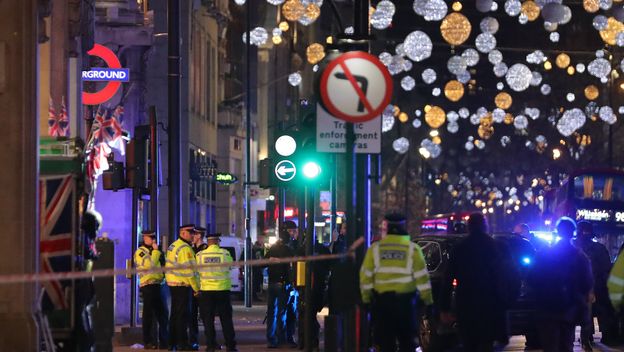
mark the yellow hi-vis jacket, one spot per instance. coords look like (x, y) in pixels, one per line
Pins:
(181, 253)
(616, 283)
(394, 264)
(144, 260)
(215, 278)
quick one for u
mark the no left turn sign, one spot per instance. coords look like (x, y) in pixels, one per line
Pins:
(356, 87)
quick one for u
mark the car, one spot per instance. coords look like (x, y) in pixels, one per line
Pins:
(437, 336)
(234, 245)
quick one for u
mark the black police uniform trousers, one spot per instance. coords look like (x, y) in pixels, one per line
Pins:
(194, 325)
(180, 315)
(394, 318)
(154, 312)
(212, 303)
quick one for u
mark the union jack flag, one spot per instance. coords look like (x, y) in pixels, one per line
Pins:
(55, 243)
(58, 125)
(107, 128)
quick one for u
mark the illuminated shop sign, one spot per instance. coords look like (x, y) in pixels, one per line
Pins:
(225, 179)
(106, 74)
(619, 216)
(593, 214)
(113, 74)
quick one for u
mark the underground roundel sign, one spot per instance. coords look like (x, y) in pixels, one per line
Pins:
(356, 87)
(113, 74)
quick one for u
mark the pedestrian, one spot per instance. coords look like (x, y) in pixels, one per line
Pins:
(339, 240)
(562, 281)
(393, 277)
(292, 306)
(198, 245)
(280, 278)
(524, 231)
(147, 257)
(615, 284)
(600, 260)
(214, 295)
(183, 284)
(478, 267)
(257, 252)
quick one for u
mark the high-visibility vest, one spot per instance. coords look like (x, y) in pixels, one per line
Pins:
(616, 283)
(181, 253)
(215, 278)
(144, 260)
(395, 264)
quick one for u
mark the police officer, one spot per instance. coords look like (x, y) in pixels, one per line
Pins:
(392, 274)
(198, 246)
(183, 283)
(616, 290)
(148, 256)
(214, 294)
(277, 294)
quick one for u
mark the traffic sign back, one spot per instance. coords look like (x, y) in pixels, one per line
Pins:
(356, 87)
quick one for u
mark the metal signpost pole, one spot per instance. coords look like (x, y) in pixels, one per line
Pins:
(174, 117)
(248, 280)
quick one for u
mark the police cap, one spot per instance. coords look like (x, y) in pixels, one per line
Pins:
(213, 235)
(188, 227)
(148, 233)
(396, 224)
(199, 230)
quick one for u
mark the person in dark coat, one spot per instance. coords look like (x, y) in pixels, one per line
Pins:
(280, 278)
(601, 266)
(561, 280)
(476, 264)
(257, 252)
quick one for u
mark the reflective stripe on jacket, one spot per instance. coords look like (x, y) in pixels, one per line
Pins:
(394, 264)
(181, 253)
(616, 283)
(144, 260)
(214, 278)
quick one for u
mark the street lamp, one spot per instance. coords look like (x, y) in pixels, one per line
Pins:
(556, 153)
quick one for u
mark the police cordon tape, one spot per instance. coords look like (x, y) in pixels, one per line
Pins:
(74, 275)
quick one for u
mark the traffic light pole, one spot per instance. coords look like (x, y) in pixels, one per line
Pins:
(247, 256)
(173, 11)
(310, 239)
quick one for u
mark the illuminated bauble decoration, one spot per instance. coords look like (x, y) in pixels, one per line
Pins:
(471, 56)
(571, 121)
(435, 117)
(417, 46)
(464, 113)
(533, 113)
(599, 67)
(456, 64)
(463, 77)
(485, 131)
(521, 122)
(436, 92)
(382, 17)
(570, 97)
(619, 39)
(580, 68)
(567, 15)
(550, 26)
(509, 119)
(553, 12)
(498, 115)
(403, 117)
(505, 140)
(452, 127)
(545, 89)
(485, 42)
(606, 4)
(500, 69)
(453, 90)
(607, 115)
(609, 35)
(513, 7)
(315, 53)
(455, 28)
(240, 2)
(429, 76)
(531, 10)
(536, 57)
(401, 145)
(591, 6)
(259, 36)
(591, 92)
(435, 10)
(284, 26)
(387, 122)
(489, 25)
(408, 83)
(503, 100)
(486, 118)
(407, 65)
(311, 13)
(349, 30)
(536, 78)
(396, 110)
(294, 79)
(416, 123)
(484, 5)
(554, 37)
(600, 22)
(495, 57)
(563, 60)
(479, 144)
(385, 58)
(500, 85)
(293, 10)
(523, 19)
(452, 116)
(277, 40)
(457, 6)
(518, 77)
(276, 32)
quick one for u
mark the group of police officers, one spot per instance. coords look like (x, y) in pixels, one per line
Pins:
(394, 281)
(204, 288)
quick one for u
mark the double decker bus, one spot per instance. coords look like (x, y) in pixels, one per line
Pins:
(594, 195)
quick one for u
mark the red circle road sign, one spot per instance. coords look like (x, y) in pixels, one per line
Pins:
(104, 94)
(356, 87)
